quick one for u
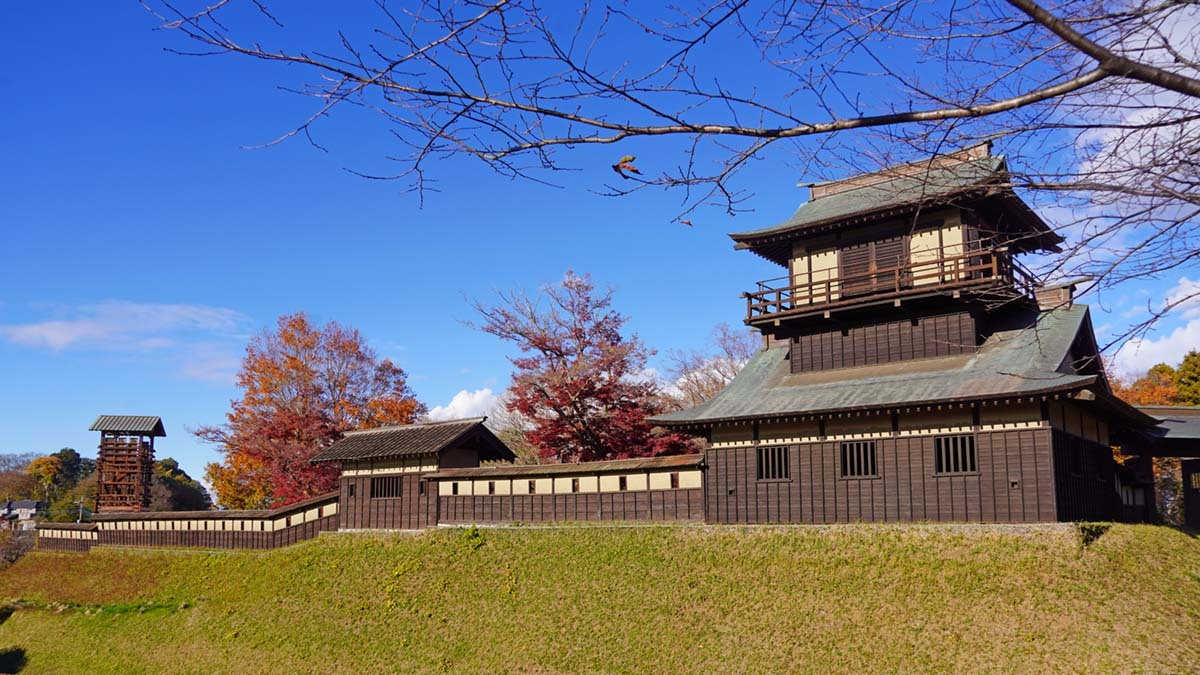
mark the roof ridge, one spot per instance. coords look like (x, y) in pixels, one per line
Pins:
(416, 425)
(858, 181)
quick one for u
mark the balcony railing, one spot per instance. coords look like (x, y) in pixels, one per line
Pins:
(992, 268)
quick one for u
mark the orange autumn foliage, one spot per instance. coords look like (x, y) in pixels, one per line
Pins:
(303, 387)
(1156, 387)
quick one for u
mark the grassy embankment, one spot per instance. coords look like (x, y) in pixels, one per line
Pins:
(853, 599)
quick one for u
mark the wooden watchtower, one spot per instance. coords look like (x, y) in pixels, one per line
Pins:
(126, 461)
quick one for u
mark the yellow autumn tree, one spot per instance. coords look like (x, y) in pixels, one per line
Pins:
(46, 470)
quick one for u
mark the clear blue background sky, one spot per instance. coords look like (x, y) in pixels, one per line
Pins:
(142, 246)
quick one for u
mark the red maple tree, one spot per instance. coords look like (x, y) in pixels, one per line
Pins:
(303, 387)
(579, 382)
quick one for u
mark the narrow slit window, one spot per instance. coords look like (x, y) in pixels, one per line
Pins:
(622, 483)
(533, 487)
(858, 459)
(954, 454)
(491, 487)
(574, 485)
(773, 463)
(674, 480)
(454, 488)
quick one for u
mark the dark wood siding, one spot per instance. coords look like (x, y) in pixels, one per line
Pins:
(1014, 483)
(1084, 479)
(931, 336)
(685, 504)
(1191, 492)
(414, 509)
(64, 544)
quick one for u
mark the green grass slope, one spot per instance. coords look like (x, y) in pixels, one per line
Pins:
(670, 599)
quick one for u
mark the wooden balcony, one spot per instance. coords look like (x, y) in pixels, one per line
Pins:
(988, 273)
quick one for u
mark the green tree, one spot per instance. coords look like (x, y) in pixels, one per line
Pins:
(72, 467)
(174, 490)
(66, 508)
(1187, 379)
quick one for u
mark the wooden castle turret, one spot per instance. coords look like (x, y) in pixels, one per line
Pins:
(125, 462)
(935, 237)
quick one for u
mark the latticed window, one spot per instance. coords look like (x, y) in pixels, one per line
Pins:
(858, 459)
(954, 454)
(773, 463)
(385, 487)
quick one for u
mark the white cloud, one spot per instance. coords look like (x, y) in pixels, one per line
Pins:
(198, 342)
(1139, 354)
(120, 325)
(1185, 297)
(209, 362)
(465, 404)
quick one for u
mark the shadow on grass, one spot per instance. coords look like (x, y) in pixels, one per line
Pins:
(1189, 531)
(12, 660)
(1090, 532)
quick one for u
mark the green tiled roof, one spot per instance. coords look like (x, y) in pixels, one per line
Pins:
(1016, 362)
(925, 186)
(1177, 422)
(412, 440)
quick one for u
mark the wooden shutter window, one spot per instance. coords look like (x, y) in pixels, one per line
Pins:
(854, 263)
(888, 255)
(860, 266)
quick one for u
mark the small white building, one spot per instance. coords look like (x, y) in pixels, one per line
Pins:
(20, 514)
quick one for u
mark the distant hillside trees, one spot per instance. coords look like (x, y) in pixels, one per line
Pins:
(302, 386)
(579, 383)
(67, 482)
(15, 482)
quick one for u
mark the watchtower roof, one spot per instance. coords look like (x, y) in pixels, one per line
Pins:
(148, 425)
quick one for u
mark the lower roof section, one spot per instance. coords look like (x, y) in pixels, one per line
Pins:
(1177, 433)
(636, 465)
(217, 514)
(1031, 359)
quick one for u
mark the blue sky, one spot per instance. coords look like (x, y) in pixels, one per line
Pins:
(143, 245)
